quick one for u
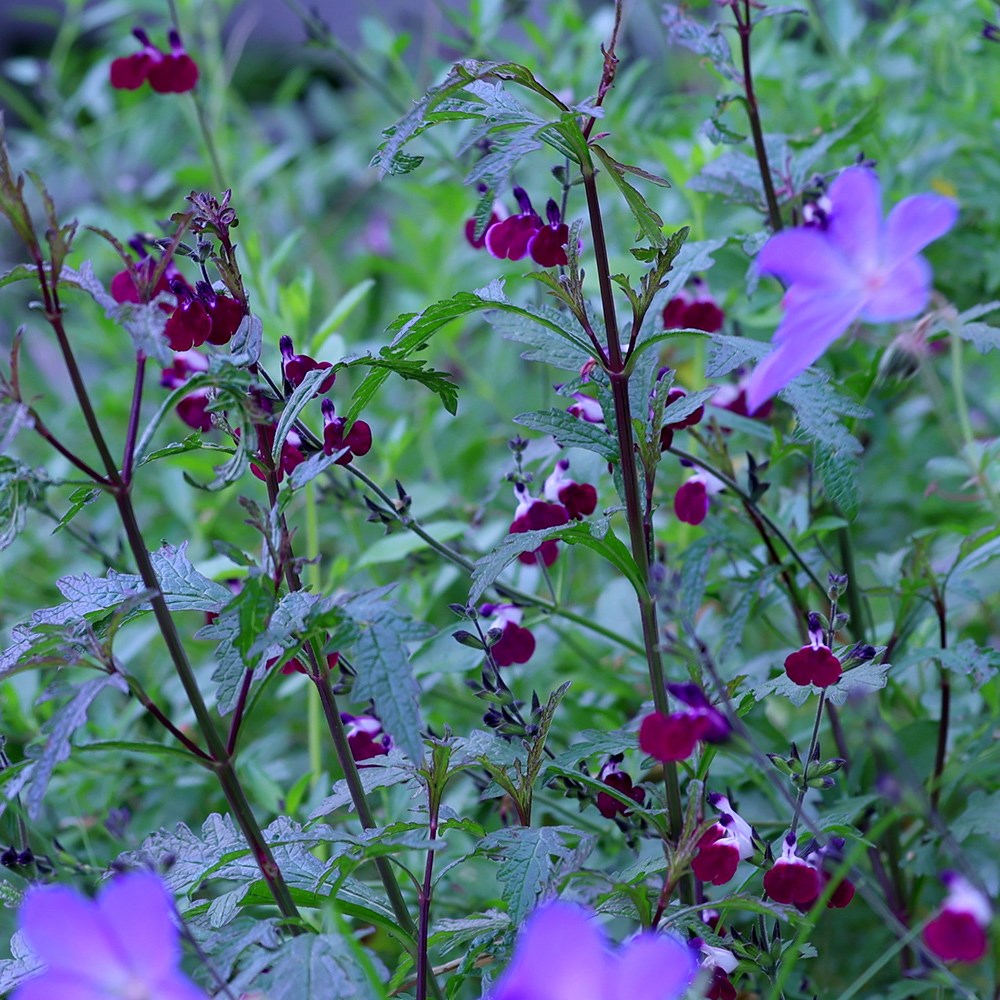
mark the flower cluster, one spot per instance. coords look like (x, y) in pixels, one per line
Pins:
(562, 955)
(673, 737)
(565, 500)
(813, 664)
(120, 946)
(524, 233)
(173, 72)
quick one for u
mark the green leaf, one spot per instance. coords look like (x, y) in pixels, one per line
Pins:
(383, 666)
(532, 859)
(19, 272)
(593, 535)
(380, 772)
(19, 488)
(315, 965)
(703, 40)
(303, 395)
(570, 432)
(649, 222)
(58, 732)
(134, 746)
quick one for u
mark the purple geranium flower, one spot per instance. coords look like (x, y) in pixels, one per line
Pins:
(562, 955)
(851, 265)
(123, 945)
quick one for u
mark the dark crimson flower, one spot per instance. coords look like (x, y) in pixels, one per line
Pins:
(844, 892)
(813, 664)
(793, 879)
(470, 231)
(724, 845)
(693, 310)
(135, 284)
(509, 239)
(295, 367)
(224, 311)
(548, 246)
(193, 408)
(365, 736)
(174, 72)
(720, 961)
(190, 323)
(516, 643)
(586, 408)
(673, 737)
(578, 498)
(958, 932)
(532, 514)
(292, 455)
(620, 781)
(357, 441)
(691, 500)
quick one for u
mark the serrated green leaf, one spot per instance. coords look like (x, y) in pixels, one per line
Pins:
(531, 859)
(570, 432)
(649, 222)
(315, 965)
(383, 666)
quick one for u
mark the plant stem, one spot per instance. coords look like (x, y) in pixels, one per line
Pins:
(809, 756)
(941, 751)
(128, 456)
(231, 787)
(423, 932)
(639, 534)
(237, 720)
(74, 460)
(320, 676)
(314, 710)
(744, 27)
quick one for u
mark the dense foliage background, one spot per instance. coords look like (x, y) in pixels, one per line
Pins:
(897, 487)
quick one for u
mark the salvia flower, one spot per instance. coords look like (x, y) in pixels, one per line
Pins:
(290, 459)
(135, 283)
(586, 408)
(535, 514)
(720, 962)
(123, 945)
(851, 265)
(192, 408)
(793, 879)
(579, 499)
(843, 894)
(813, 664)
(295, 367)
(296, 666)
(516, 643)
(561, 954)
(614, 777)
(173, 72)
(548, 246)
(478, 242)
(691, 500)
(724, 845)
(201, 315)
(693, 310)
(667, 430)
(958, 933)
(365, 736)
(509, 239)
(673, 737)
(357, 441)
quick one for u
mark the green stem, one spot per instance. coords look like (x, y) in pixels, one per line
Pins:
(314, 577)
(809, 756)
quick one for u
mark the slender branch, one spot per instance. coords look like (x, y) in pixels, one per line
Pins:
(744, 27)
(157, 713)
(743, 495)
(74, 460)
(231, 787)
(128, 457)
(813, 742)
(426, 890)
(237, 720)
(610, 69)
(512, 593)
(941, 751)
(638, 535)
